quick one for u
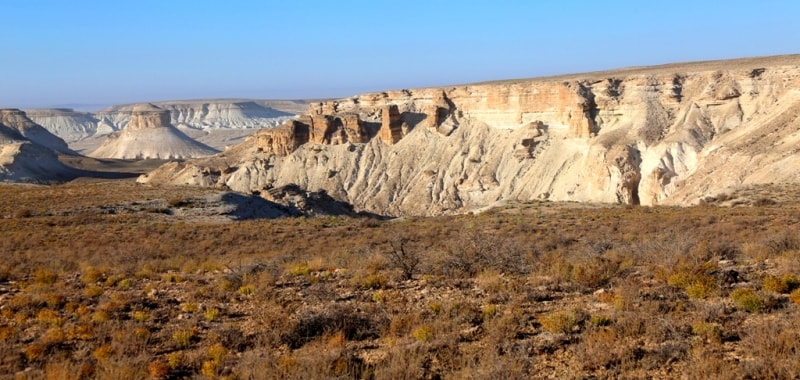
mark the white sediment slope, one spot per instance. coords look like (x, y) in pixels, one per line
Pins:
(671, 134)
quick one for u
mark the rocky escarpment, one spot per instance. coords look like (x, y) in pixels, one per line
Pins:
(28, 153)
(149, 134)
(659, 135)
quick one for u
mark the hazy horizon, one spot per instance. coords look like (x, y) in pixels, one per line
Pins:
(94, 54)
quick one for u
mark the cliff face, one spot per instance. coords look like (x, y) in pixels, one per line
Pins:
(670, 134)
(68, 124)
(149, 134)
(19, 121)
(28, 151)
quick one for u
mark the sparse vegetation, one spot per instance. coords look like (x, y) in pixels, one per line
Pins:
(533, 290)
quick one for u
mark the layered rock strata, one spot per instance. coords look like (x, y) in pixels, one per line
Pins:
(660, 135)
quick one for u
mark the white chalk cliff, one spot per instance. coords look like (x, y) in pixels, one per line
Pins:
(660, 135)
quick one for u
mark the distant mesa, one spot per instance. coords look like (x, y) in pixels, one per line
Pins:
(215, 122)
(151, 135)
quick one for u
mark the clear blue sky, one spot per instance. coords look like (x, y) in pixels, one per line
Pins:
(106, 52)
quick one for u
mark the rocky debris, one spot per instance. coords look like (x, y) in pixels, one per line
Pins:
(298, 201)
(150, 135)
(661, 135)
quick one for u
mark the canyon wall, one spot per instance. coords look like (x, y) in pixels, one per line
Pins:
(661, 135)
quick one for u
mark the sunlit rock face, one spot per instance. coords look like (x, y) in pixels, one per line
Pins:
(660, 135)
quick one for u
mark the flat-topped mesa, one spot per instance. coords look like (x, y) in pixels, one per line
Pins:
(150, 135)
(148, 116)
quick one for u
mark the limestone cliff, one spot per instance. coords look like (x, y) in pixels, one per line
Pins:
(668, 134)
(150, 134)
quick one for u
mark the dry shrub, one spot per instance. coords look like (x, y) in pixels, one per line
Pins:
(696, 280)
(773, 347)
(595, 271)
(563, 322)
(785, 241)
(784, 284)
(355, 323)
(748, 300)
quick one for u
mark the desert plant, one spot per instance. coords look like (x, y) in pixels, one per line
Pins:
(747, 299)
(183, 338)
(561, 321)
(709, 331)
(785, 284)
(403, 256)
(211, 314)
(422, 333)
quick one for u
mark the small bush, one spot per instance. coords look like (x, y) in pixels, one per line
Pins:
(422, 333)
(183, 338)
(795, 296)
(600, 320)
(783, 285)
(45, 276)
(748, 300)
(158, 369)
(140, 316)
(563, 322)
(211, 314)
(374, 281)
(710, 331)
(696, 284)
(246, 290)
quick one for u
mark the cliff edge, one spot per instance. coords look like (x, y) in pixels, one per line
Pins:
(669, 134)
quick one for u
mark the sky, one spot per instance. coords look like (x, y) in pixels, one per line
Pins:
(94, 53)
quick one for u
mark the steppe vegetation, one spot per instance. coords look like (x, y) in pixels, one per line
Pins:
(106, 280)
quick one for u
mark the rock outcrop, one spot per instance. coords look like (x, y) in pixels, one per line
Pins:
(660, 135)
(150, 135)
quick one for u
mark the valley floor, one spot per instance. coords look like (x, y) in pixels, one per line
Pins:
(110, 279)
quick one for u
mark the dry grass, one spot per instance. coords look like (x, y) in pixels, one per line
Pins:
(532, 290)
